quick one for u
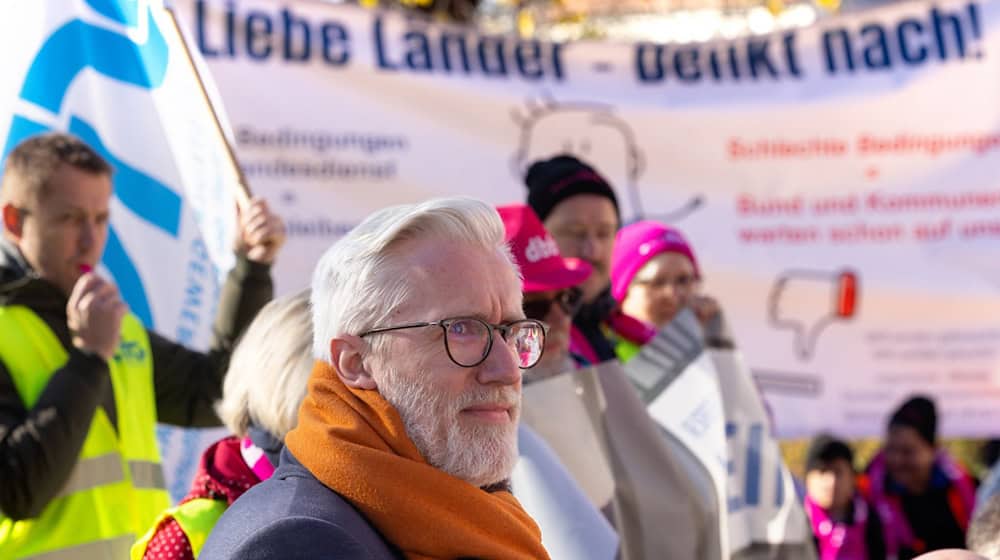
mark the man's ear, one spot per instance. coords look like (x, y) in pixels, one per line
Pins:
(346, 355)
(12, 221)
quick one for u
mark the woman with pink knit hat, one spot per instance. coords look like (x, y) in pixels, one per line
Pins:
(654, 274)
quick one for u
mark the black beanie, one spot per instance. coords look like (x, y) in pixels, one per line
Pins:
(920, 414)
(826, 449)
(554, 180)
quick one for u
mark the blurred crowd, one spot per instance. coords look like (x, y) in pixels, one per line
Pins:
(379, 413)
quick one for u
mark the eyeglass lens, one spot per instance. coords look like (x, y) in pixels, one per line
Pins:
(468, 341)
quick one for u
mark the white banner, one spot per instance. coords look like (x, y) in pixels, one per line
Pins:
(115, 73)
(838, 182)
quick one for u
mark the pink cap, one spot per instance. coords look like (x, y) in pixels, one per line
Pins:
(636, 244)
(85, 268)
(537, 253)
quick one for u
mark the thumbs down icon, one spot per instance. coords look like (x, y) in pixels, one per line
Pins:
(807, 301)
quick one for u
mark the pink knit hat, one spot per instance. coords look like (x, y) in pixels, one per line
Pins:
(636, 244)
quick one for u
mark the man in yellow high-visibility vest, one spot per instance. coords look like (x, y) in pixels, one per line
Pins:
(82, 382)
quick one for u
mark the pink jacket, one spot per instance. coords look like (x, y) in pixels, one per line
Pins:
(839, 540)
(898, 533)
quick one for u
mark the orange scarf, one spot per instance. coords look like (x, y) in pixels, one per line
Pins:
(355, 443)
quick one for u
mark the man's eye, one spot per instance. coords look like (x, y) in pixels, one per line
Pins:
(465, 329)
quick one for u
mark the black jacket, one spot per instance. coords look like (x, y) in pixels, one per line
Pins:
(589, 320)
(39, 447)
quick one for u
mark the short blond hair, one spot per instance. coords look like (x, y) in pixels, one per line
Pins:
(269, 369)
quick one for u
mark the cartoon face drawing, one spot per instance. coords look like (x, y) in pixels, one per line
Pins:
(595, 134)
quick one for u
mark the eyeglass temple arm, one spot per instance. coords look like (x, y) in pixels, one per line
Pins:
(399, 328)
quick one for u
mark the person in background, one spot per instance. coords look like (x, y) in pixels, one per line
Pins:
(82, 382)
(654, 274)
(260, 404)
(571, 526)
(927, 495)
(984, 530)
(844, 525)
(551, 287)
(579, 208)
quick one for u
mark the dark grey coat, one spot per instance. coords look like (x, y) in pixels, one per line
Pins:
(293, 516)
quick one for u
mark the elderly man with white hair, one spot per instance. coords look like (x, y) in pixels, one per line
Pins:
(408, 434)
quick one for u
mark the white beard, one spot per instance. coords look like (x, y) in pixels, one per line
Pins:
(480, 454)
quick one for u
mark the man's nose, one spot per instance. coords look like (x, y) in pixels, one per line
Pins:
(588, 248)
(501, 365)
(88, 235)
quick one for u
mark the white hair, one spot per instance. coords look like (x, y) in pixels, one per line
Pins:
(358, 282)
(269, 369)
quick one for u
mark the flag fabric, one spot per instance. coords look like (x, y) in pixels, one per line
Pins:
(116, 73)
(705, 399)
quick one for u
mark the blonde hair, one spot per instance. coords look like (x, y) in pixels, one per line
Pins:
(269, 369)
(358, 281)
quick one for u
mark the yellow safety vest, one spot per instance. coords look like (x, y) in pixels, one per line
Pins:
(116, 489)
(196, 519)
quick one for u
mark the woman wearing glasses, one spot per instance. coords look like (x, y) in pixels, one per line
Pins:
(654, 274)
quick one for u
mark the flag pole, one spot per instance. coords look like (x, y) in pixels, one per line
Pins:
(243, 193)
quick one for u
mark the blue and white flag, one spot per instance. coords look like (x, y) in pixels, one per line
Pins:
(116, 74)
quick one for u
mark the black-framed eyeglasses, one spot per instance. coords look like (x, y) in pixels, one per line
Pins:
(468, 340)
(569, 300)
